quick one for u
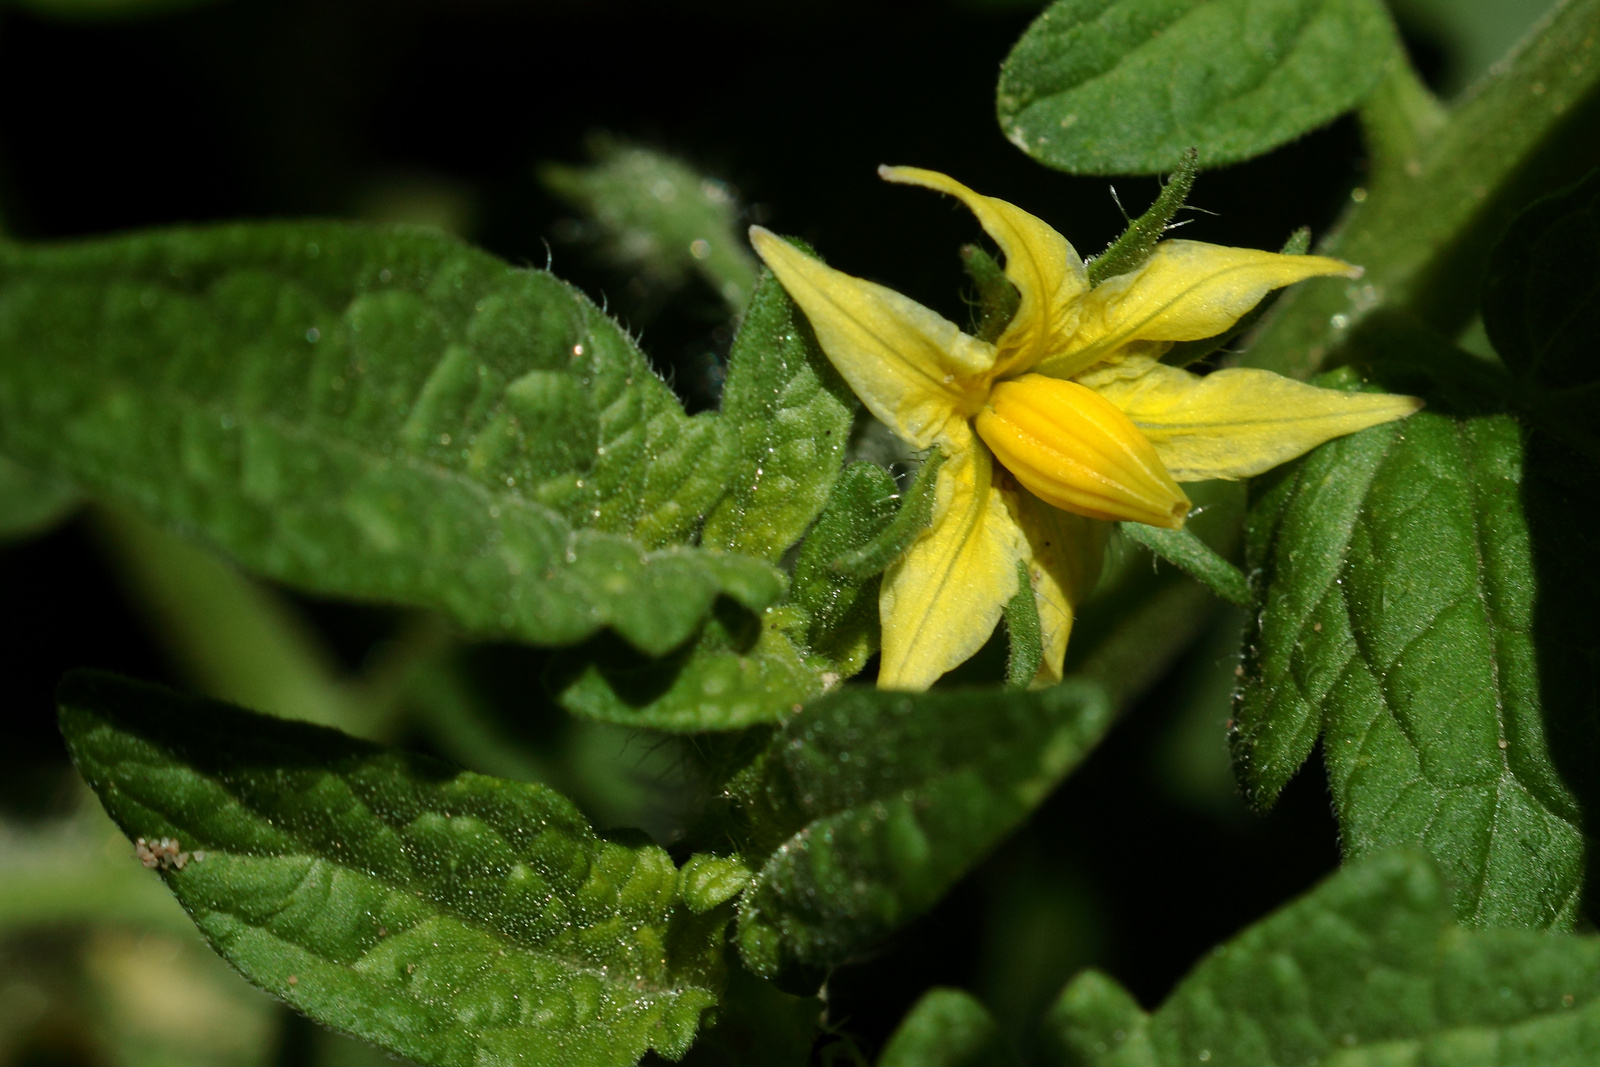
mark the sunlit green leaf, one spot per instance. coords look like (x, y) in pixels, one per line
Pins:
(1367, 968)
(1395, 615)
(743, 669)
(790, 415)
(870, 804)
(446, 916)
(1127, 86)
(380, 413)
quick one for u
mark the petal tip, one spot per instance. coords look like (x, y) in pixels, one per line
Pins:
(768, 244)
(900, 175)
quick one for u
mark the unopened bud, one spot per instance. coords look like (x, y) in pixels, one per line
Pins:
(1076, 450)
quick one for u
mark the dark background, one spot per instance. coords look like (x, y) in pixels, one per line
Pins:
(1144, 858)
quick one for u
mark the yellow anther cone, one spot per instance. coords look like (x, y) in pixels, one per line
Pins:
(1076, 450)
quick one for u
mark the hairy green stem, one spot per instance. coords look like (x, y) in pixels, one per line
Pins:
(1399, 121)
(1423, 232)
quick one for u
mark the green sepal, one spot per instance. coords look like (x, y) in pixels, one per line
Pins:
(1194, 557)
(998, 299)
(445, 916)
(1025, 638)
(914, 516)
(1133, 249)
(757, 1025)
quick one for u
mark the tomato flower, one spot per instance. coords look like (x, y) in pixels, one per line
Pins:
(1072, 400)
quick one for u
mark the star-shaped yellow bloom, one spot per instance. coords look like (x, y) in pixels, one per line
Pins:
(1074, 403)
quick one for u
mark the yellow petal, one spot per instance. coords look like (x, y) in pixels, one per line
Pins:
(941, 599)
(1238, 422)
(1068, 551)
(1075, 450)
(912, 368)
(1044, 267)
(1186, 291)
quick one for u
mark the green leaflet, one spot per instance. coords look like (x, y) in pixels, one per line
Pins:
(31, 503)
(443, 915)
(1395, 614)
(379, 413)
(870, 804)
(740, 670)
(790, 415)
(1127, 86)
(1366, 969)
(660, 216)
(1541, 300)
(744, 670)
(947, 1028)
